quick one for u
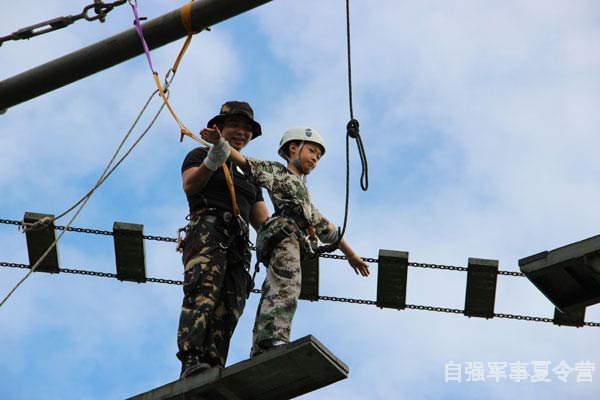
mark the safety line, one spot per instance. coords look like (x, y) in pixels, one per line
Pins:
(86, 198)
(186, 21)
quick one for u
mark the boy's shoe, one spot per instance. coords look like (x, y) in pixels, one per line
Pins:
(267, 345)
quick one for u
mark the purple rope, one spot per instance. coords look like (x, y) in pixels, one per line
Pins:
(138, 29)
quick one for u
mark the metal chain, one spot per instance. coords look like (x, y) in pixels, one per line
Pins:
(94, 231)
(160, 238)
(13, 265)
(10, 222)
(165, 281)
(324, 255)
(84, 230)
(511, 273)
(324, 298)
(436, 309)
(88, 273)
(437, 266)
(524, 318)
(100, 8)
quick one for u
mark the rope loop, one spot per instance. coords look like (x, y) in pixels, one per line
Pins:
(352, 128)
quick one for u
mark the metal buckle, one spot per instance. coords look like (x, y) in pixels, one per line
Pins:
(311, 245)
(243, 225)
(288, 232)
(211, 219)
(181, 235)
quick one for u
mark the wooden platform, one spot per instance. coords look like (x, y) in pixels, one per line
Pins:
(283, 373)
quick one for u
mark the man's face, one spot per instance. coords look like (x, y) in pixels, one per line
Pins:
(237, 130)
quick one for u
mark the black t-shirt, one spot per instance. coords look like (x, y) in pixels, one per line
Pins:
(215, 193)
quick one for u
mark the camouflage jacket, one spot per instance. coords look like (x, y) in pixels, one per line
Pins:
(287, 191)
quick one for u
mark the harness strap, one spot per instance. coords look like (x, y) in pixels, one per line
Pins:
(302, 222)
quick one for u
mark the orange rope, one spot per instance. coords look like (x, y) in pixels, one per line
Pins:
(186, 20)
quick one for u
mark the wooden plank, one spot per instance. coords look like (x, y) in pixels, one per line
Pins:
(480, 295)
(283, 373)
(130, 255)
(38, 242)
(392, 275)
(568, 276)
(310, 278)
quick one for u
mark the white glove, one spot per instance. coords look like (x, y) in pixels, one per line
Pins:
(217, 155)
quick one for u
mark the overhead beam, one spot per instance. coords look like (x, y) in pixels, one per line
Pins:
(118, 48)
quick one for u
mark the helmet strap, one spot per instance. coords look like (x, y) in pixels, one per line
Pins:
(297, 162)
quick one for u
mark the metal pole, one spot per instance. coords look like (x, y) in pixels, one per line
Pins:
(116, 49)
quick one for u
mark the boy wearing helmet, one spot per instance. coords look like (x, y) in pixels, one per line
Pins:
(281, 239)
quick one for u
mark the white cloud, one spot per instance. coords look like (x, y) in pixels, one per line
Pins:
(480, 127)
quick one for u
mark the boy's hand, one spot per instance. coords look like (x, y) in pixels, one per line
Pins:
(359, 265)
(212, 135)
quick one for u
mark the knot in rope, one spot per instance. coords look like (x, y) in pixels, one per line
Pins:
(38, 225)
(352, 128)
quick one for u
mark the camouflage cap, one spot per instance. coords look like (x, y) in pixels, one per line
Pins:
(236, 108)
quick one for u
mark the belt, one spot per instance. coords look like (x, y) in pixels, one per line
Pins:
(214, 215)
(299, 219)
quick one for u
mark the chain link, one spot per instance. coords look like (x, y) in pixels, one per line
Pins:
(437, 266)
(324, 298)
(326, 256)
(84, 230)
(100, 8)
(165, 281)
(13, 265)
(348, 300)
(511, 273)
(96, 231)
(88, 273)
(160, 238)
(524, 318)
(436, 309)
(11, 222)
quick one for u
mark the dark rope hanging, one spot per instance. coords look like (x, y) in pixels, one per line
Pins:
(352, 131)
(352, 128)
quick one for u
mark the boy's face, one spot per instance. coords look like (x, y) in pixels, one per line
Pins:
(237, 130)
(309, 156)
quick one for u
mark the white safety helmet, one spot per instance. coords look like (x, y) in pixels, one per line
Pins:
(302, 134)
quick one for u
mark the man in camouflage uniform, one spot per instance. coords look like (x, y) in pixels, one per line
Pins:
(282, 239)
(216, 255)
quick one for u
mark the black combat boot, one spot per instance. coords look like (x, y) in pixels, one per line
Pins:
(268, 344)
(191, 365)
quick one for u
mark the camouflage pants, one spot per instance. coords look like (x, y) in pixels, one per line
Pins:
(215, 288)
(280, 293)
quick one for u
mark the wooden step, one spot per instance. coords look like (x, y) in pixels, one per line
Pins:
(283, 373)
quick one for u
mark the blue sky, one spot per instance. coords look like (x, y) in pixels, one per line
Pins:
(480, 123)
